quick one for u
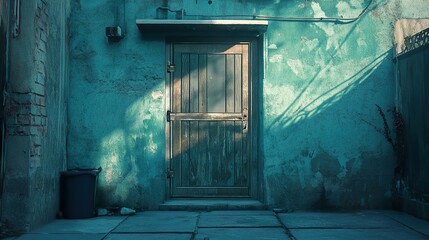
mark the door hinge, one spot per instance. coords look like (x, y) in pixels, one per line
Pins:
(168, 116)
(170, 67)
(170, 173)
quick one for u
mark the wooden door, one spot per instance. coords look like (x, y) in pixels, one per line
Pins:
(208, 120)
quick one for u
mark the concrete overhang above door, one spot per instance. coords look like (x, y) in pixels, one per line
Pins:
(202, 27)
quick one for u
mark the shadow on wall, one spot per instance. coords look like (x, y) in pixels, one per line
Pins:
(133, 157)
(320, 148)
(314, 158)
(117, 119)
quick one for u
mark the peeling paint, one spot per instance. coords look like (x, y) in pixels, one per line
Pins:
(276, 58)
(317, 10)
(272, 46)
(296, 66)
(157, 94)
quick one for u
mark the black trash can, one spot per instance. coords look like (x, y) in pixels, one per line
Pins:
(78, 193)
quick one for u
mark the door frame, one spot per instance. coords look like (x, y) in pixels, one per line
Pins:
(254, 98)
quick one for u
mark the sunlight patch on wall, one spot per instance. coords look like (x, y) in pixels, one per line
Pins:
(320, 92)
(345, 10)
(142, 110)
(113, 151)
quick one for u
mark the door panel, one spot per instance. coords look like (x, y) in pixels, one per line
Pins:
(209, 135)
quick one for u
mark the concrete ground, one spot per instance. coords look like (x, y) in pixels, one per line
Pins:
(238, 224)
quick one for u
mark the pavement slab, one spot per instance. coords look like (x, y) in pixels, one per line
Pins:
(239, 213)
(244, 220)
(66, 236)
(355, 220)
(238, 224)
(150, 236)
(241, 233)
(89, 225)
(412, 222)
(159, 222)
(356, 234)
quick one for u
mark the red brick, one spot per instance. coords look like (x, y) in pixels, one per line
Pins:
(23, 119)
(38, 89)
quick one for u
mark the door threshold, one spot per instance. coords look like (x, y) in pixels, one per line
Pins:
(212, 204)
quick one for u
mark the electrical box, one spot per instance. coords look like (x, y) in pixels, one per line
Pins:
(114, 33)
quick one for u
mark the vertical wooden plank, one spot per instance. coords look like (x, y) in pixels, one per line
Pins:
(177, 83)
(245, 105)
(202, 83)
(229, 82)
(194, 147)
(238, 145)
(228, 162)
(175, 126)
(202, 174)
(215, 103)
(237, 83)
(238, 153)
(185, 83)
(215, 153)
(185, 124)
(203, 164)
(193, 83)
(216, 83)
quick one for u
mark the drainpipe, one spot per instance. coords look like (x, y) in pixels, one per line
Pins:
(119, 30)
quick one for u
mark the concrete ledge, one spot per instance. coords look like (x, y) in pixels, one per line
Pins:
(212, 204)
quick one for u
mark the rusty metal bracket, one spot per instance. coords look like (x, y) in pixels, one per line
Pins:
(170, 67)
(170, 173)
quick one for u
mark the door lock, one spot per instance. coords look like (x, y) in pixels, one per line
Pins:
(244, 118)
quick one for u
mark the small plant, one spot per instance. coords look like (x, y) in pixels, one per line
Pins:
(397, 142)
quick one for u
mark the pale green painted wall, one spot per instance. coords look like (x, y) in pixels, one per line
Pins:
(319, 144)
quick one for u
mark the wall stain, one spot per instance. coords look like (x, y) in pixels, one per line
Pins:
(326, 164)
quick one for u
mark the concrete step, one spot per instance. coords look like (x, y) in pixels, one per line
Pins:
(212, 204)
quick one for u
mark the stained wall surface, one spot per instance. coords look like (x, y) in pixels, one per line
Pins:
(35, 113)
(320, 144)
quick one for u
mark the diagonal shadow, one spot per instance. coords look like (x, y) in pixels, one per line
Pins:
(303, 112)
(327, 66)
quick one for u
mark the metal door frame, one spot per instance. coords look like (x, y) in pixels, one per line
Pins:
(255, 63)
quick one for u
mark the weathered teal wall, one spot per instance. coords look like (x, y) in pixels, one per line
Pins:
(116, 107)
(35, 115)
(320, 146)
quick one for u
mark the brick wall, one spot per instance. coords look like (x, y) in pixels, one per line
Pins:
(36, 115)
(26, 112)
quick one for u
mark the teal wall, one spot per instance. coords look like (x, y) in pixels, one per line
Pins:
(319, 144)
